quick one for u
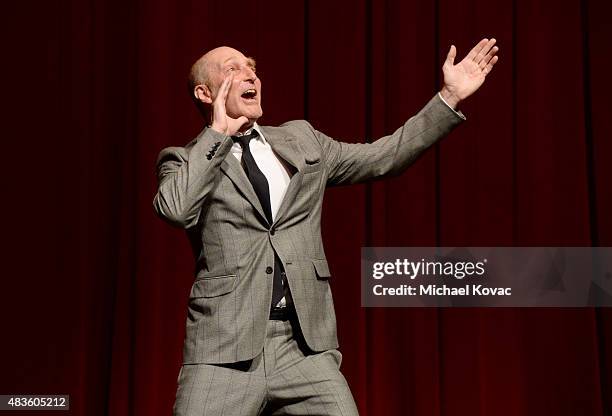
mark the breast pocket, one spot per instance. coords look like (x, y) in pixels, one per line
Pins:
(312, 167)
(213, 286)
(321, 269)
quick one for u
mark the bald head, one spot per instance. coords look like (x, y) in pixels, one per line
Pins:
(210, 64)
(207, 75)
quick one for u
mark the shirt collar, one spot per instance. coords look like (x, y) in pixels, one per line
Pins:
(255, 127)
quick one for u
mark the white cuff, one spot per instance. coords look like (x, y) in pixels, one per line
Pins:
(459, 113)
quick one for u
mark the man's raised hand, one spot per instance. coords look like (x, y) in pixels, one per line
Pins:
(221, 122)
(463, 79)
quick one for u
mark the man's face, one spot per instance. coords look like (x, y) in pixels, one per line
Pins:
(244, 96)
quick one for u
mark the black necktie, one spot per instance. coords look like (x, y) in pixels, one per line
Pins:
(262, 190)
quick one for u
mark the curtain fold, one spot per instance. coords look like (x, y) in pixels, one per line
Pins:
(94, 296)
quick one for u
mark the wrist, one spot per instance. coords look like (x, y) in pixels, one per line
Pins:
(218, 129)
(450, 97)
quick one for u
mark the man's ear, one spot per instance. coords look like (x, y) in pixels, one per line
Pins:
(202, 93)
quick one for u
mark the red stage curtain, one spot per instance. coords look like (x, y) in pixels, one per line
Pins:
(93, 300)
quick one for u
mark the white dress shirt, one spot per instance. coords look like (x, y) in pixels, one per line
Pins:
(276, 174)
(460, 114)
(273, 169)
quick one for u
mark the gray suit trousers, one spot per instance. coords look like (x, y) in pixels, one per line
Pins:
(286, 378)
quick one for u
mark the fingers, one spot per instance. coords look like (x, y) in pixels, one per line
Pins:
(489, 66)
(219, 117)
(452, 53)
(476, 49)
(487, 58)
(484, 52)
(219, 103)
(225, 87)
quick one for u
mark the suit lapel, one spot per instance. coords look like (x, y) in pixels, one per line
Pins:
(232, 168)
(286, 147)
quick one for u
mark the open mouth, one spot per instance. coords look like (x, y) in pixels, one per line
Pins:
(249, 94)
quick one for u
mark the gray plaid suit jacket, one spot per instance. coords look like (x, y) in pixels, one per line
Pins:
(205, 191)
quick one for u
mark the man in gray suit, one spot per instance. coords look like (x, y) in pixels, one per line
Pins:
(261, 327)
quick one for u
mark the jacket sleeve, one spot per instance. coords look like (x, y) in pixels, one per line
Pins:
(349, 163)
(186, 176)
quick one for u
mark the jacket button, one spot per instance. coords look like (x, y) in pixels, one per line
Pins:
(272, 231)
(269, 270)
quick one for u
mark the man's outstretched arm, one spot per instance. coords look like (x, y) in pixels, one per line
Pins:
(355, 162)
